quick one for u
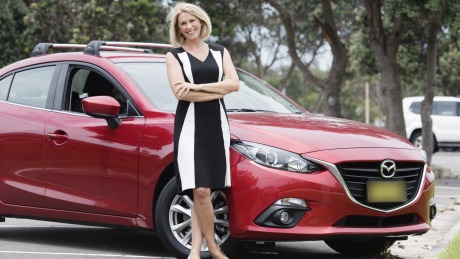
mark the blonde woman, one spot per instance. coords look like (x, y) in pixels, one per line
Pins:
(200, 75)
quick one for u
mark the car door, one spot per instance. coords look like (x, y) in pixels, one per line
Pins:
(89, 167)
(447, 121)
(25, 98)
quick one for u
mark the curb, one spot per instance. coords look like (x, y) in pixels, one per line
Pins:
(443, 172)
(441, 246)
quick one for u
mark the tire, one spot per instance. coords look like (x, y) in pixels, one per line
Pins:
(360, 247)
(175, 210)
(416, 140)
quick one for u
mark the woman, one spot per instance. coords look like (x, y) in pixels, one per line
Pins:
(200, 75)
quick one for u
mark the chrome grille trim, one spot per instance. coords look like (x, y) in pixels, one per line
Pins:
(335, 171)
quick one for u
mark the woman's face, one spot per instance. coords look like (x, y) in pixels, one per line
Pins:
(189, 26)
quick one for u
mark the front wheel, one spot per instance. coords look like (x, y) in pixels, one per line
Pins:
(360, 247)
(173, 222)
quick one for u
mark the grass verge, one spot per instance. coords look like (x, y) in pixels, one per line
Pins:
(452, 250)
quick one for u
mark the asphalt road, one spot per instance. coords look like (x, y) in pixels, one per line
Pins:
(21, 238)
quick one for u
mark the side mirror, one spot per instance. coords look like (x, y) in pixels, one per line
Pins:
(104, 107)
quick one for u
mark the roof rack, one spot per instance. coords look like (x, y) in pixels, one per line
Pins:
(94, 47)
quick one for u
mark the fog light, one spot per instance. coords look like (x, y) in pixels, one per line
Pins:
(284, 217)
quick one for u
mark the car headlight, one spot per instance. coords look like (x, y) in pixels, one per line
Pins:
(275, 157)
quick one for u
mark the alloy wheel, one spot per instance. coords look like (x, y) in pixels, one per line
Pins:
(180, 219)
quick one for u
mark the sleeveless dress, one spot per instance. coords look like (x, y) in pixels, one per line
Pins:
(201, 129)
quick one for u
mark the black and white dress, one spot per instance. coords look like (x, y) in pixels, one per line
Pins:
(201, 130)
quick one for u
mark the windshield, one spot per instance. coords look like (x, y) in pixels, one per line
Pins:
(254, 95)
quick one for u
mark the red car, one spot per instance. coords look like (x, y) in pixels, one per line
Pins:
(87, 137)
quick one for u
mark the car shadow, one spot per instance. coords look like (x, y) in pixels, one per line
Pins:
(135, 243)
(102, 240)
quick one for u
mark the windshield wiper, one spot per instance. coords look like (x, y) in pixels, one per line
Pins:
(247, 110)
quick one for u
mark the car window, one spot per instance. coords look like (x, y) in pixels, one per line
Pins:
(445, 108)
(254, 95)
(86, 82)
(30, 87)
(415, 107)
(442, 108)
(5, 87)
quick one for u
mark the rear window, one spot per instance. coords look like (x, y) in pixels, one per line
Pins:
(4, 87)
(439, 108)
(31, 87)
(445, 108)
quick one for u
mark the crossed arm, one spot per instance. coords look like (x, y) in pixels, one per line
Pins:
(201, 92)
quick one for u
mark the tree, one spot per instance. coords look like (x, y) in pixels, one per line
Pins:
(385, 40)
(434, 26)
(436, 14)
(449, 62)
(331, 85)
(73, 21)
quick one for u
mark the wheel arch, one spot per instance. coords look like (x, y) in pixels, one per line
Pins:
(165, 177)
(414, 132)
(419, 130)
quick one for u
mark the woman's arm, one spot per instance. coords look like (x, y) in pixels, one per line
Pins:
(176, 80)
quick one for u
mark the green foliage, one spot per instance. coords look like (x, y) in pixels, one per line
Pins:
(453, 249)
(296, 89)
(448, 79)
(11, 27)
(75, 21)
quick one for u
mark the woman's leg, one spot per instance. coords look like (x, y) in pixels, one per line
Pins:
(205, 214)
(197, 237)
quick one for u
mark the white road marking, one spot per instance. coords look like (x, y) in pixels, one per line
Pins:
(82, 254)
(446, 196)
(447, 188)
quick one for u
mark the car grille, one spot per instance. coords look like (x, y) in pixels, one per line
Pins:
(357, 174)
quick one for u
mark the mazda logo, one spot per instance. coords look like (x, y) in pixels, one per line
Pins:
(388, 168)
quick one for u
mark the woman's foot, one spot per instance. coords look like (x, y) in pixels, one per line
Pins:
(218, 254)
(194, 255)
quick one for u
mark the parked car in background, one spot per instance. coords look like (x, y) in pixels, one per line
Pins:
(87, 137)
(445, 115)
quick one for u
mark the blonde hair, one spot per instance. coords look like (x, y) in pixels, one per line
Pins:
(175, 37)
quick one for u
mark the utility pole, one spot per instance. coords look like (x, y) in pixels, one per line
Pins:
(366, 93)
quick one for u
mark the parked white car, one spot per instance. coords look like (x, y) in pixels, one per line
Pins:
(446, 121)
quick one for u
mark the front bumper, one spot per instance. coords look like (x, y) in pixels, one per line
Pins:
(255, 188)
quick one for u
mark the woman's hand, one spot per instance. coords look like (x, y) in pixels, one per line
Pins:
(182, 88)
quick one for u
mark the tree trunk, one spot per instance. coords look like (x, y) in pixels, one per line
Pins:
(427, 103)
(386, 47)
(333, 86)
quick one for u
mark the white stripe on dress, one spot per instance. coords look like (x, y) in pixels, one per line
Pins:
(223, 118)
(186, 147)
(218, 57)
(187, 66)
(226, 134)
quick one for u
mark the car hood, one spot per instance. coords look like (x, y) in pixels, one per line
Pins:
(303, 133)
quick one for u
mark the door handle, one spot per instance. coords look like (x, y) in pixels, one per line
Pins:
(59, 137)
